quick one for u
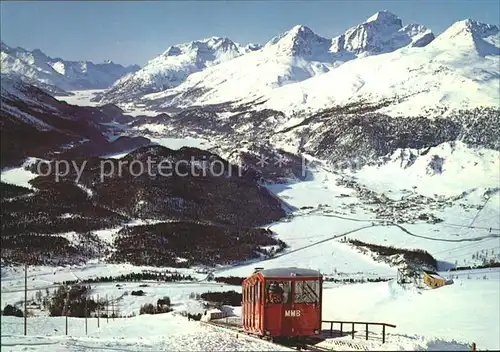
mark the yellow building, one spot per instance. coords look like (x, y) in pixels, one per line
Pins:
(432, 279)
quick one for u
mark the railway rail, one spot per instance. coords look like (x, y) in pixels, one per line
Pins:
(306, 346)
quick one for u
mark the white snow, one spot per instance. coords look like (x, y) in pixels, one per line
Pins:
(19, 176)
(451, 317)
(116, 156)
(462, 169)
(456, 74)
(87, 190)
(107, 235)
(173, 66)
(293, 56)
(467, 311)
(81, 97)
(57, 74)
(163, 332)
(177, 143)
(153, 127)
(457, 70)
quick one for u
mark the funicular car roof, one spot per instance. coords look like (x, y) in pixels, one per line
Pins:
(289, 272)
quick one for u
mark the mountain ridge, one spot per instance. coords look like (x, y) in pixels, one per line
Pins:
(174, 65)
(58, 75)
(293, 55)
(442, 75)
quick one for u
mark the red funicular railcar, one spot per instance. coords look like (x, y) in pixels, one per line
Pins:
(283, 302)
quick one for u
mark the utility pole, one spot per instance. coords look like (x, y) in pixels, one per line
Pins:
(113, 307)
(66, 309)
(85, 315)
(25, 297)
(107, 309)
(98, 310)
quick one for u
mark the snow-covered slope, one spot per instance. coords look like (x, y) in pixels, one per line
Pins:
(295, 56)
(33, 123)
(173, 66)
(448, 169)
(56, 74)
(460, 69)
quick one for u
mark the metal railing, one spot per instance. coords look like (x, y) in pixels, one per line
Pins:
(353, 323)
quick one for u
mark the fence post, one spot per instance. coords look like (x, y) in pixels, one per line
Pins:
(367, 331)
(383, 333)
(341, 329)
(473, 346)
(331, 328)
(353, 331)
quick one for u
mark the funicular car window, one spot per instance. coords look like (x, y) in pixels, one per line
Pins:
(278, 292)
(258, 291)
(307, 291)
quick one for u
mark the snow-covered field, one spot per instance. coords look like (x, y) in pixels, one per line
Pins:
(466, 311)
(163, 332)
(81, 97)
(177, 143)
(460, 169)
(19, 175)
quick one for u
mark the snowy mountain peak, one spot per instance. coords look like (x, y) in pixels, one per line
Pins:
(471, 27)
(300, 30)
(213, 46)
(173, 66)
(300, 41)
(57, 75)
(293, 34)
(383, 32)
(472, 36)
(385, 17)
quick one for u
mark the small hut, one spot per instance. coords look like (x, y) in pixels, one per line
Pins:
(433, 279)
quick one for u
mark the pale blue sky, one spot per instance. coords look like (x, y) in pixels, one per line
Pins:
(136, 31)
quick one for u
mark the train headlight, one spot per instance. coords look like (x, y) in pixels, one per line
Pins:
(316, 332)
(267, 332)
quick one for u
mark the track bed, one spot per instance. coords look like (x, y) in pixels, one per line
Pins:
(234, 324)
